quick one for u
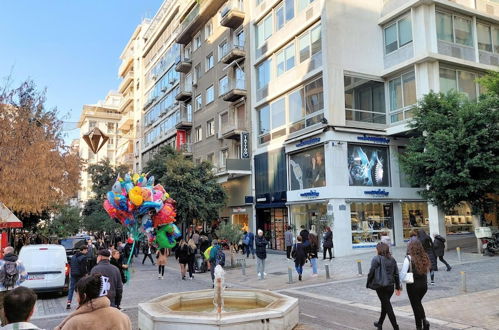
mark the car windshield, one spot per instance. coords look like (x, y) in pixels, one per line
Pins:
(71, 243)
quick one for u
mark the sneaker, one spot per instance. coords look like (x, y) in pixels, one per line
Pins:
(191, 278)
(68, 306)
(159, 276)
(183, 278)
(259, 274)
(432, 283)
(448, 269)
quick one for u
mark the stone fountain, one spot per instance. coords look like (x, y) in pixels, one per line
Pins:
(219, 309)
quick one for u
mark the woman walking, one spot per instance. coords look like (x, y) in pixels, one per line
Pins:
(327, 243)
(181, 253)
(299, 255)
(191, 257)
(418, 263)
(439, 247)
(427, 243)
(261, 253)
(313, 251)
(382, 276)
(161, 256)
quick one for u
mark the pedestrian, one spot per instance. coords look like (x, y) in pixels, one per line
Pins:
(300, 256)
(19, 306)
(413, 235)
(161, 259)
(261, 254)
(418, 263)
(117, 261)
(12, 275)
(439, 247)
(250, 245)
(288, 241)
(304, 235)
(182, 254)
(427, 243)
(91, 254)
(137, 249)
(212, 257)
(105, 268)
(127, 249)
(94, 307)
(78, 269)
(191, 258)
(327, 243)
(383, 275)
(148, 251)
(313, 253)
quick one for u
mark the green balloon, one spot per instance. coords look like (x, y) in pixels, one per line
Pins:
(162, 237)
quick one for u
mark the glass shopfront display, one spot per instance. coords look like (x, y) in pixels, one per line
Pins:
(273, 222)
(368, 165)
(307, 169)
(370, 221)
(311, 215)
(414, 216)
(459, 221)
(241, 220)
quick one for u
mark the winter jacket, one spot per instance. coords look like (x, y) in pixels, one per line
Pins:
(288, 238)
(328, 239)
(392, 271)
(23, 275)
(119, 264)
(428, 247)
(304, 235)
(105, 268)
(299, 253)
(145, 249)
(313, 250)
(161, 258)
(261, 247)
(182, 254)
(78, 265)
(251, 238)
(439, 246)
(96, 314)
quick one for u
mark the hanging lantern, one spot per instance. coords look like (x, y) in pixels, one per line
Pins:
(95, 139)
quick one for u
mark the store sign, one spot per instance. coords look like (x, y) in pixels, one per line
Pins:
(376, 139)
(263, 199)
(378, 193)
(308, 142)
(239, 210)
(310, 194)
(245, 145)
(181, 137)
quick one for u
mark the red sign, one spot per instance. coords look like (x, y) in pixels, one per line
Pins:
(181, 136)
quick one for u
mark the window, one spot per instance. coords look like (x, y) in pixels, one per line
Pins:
(209, 157)
(309, 43)
(402, 91)
(495, 38)
(210, 128)
(462, 81)
(110, 127)
(279, 17)
(197, 72)
(210, 94)
(224, 119)
(240, 39)
(224, 154)
(209, 61)
(223, 86)
(187, 51)
(484, 37)
(198, 102)
(307, 169)
(264, 124)
(364, 100)
(208, 30)
(222, 49)
(199, 133)
(263, 30)
(285, 59)
(197, 41)
(263, 74)
(302, 4)
(398, 34)
(455, 29)
(290, 9)
(92, 124)
(278, 113)
(240, 78)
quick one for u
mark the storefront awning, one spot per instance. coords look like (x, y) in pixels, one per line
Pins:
(270, 205)
(8, 219)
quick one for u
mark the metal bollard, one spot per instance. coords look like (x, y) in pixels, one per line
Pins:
(290, 275)
(458, 250)
(359, 267)
(463, 282)
(327, 271)
(243, 267)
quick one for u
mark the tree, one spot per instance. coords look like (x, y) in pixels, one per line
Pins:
(192, 186)
(103, 177)
(38, 169)
(66, 222)
(232, 233)
(455, 151)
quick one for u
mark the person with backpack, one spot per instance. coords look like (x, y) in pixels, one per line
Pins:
(430, 250)
(12, 274)
(439, 247)
(216, 257)
(300, 255)
(261, 254)
(78, 266)
(250, 239)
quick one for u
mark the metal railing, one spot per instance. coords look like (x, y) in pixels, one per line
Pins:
(190, 17)
(402, 114)
(365, 116)
(185, 114)
(230, 5)
(186, 147)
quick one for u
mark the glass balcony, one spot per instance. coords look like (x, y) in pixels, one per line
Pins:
(236, 52)
(237, 90)
(232, 14)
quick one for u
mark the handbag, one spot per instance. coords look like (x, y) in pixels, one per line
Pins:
(409, 276)
(380, 278)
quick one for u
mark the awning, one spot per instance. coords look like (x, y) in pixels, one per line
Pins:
(8, 219)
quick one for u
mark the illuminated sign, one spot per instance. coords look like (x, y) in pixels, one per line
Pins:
(310, 194)
(308, 142)
(377, 139)
(379, 192)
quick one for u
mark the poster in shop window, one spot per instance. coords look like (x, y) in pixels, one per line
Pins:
(368, 165)
(307, 169)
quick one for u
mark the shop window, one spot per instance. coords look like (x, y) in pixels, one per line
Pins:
(368, 165)
(414, 217)
(313, 216)
(370, 222)
(459, 221)
(307, 169)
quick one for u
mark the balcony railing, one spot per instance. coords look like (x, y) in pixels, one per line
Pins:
(185, 91)
(186, 148)
(237, 90)
(365, 116)
(183, 64)
(232, 14)
(127, 79)
(184, 118)
(232, 130)
(234, 53)
(402, 114)
(196, 18)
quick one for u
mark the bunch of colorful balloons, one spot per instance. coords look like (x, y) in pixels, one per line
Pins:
(137, 203)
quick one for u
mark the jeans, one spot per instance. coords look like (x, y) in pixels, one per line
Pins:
(288, 251)
(190, 264)
(313, 261)
(72, 286)
(248, 249)
(260, 266)
(299, 268)
(445, 262)
(150, 257)
(330, 253)
(161, 270)
(384, 295)
(416, 292)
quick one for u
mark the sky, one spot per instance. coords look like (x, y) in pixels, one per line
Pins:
(70, 47)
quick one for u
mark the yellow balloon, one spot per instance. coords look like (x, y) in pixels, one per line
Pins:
(167, 195)
(135, 195)
(135, 178)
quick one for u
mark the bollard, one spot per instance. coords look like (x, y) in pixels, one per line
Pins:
(243, 266)
(327, 271)
(359, 267)
(463, 282)
(290, 275)
(458, 250)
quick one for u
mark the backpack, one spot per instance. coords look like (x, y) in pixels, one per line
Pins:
(246, 240)
(9, 274)
(220, 257)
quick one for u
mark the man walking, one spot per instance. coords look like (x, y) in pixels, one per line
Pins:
(12, 274)
(439, 247)
(91, 254)
(261, 254)
(148, 251)
(249, 247)
(79, 269)
(288, 241)
(105, 268)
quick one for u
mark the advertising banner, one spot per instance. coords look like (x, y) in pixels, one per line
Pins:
(368, 165)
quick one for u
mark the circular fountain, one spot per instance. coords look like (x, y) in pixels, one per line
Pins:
(219, 309)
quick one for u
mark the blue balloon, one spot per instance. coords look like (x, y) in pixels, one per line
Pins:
(110, 198)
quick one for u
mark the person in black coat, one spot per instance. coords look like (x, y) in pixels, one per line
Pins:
(299, 253)
(78, 267)
(304, 235)
(327, 243)
(429, 249)
(261, 253)
(148, 251)
(117, 261)
(439, 247)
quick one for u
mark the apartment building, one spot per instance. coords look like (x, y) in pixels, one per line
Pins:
(334, 83)
(106, 117)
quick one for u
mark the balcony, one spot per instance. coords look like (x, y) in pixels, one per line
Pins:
(235, 53)
(232, 131)
(183, 65)
(185, 92)
(237, 90)
(196, 19)
(235, 168)
(184, 120)
(127, 79)
(125, 102)
(232, 14)
(186, 149)
(373, 119)
(126, 121)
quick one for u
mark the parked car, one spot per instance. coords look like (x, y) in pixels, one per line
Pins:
(47, 267)
(72, 245)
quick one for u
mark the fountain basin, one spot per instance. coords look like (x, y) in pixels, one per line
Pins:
(243, 309)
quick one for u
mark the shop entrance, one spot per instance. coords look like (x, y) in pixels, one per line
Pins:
(273, 221)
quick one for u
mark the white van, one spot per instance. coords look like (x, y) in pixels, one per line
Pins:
(47, 267)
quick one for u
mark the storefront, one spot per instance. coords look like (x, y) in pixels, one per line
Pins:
(370, 221)
(312, 216)
(240, 216)
(414, 217)
(273, 222)
(459, 221)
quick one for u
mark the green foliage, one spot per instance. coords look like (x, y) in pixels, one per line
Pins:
(490, 82)
(230, 232)
(103, 177)
(192, 186)
(455, 151)
(67, 222)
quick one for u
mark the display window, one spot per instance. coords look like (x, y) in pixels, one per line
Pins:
(307, 169)
(273, 222)
(311, 215)
(459, 220)
(414, 217)
(368, 165)
(371, 221)
(241, 220)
